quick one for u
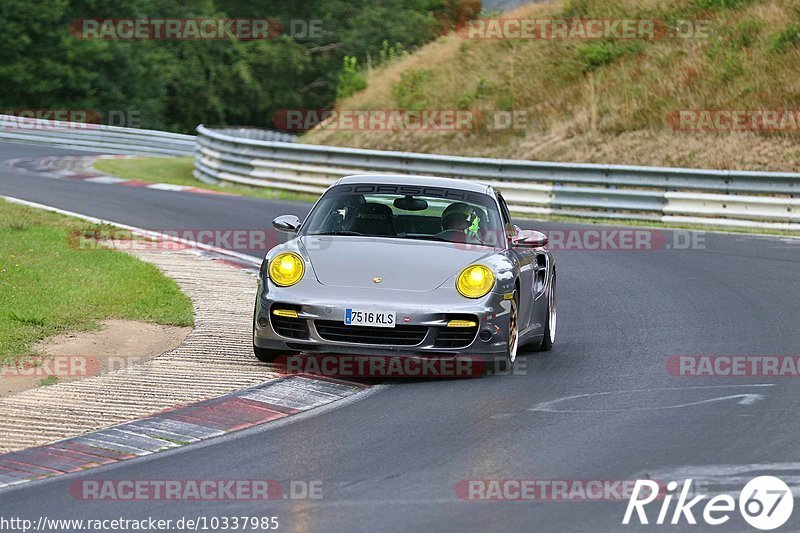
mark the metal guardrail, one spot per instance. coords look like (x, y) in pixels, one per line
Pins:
(263, 158)
(258, 134)
(672, 195)
(95, 137)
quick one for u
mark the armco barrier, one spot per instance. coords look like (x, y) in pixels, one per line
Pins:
(114, 139)
(94, 137)
(672, 195)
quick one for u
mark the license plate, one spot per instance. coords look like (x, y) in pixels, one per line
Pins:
(380, 319)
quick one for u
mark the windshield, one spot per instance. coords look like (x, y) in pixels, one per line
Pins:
(407, 212)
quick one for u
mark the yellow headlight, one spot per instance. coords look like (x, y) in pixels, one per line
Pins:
(286, 269)
(475, 281)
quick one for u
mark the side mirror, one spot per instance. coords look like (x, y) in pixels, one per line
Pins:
(286, 223)
(530, 239)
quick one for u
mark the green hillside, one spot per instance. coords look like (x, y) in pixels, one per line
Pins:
(608, 100)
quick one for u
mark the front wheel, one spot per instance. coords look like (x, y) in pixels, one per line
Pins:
(267, 356)
(506, 362)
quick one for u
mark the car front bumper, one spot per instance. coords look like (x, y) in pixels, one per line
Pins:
(421, 321)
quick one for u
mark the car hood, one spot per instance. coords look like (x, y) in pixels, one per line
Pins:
(401, 264)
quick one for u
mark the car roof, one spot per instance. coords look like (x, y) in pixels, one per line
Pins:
(427, 181)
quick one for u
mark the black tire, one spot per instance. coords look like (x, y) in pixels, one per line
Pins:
(268, 356)
(549, 329)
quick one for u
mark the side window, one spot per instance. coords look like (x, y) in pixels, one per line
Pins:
(506, 216)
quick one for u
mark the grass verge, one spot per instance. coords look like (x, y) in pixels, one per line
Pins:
(49, 286)
(178, 171)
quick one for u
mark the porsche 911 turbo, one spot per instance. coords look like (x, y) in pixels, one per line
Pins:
(406, 266)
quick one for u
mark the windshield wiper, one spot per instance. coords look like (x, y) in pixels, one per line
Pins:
(425, 238)
(439, 239)
(347, 233)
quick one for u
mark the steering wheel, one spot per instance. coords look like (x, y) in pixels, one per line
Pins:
(458, 236)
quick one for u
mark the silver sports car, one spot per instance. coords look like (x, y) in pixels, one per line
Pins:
(410, 266)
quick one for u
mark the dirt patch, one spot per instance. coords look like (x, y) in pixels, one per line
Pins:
(78, 355)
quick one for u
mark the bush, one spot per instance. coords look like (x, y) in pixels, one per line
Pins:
(575, 9)
(745, 34)
(351, 79)
(723, 4)
(467, 98)
(787, 38)
(409, 92)
(455, 13)
(596, 55)
(391, 53)
(729, 68)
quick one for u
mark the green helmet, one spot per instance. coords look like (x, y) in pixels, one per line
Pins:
(462, 216)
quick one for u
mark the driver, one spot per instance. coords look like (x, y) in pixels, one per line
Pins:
(460, 219)
(457, 216)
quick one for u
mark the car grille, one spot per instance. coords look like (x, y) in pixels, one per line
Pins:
(455, 337)
(396, 336)
(294, 328)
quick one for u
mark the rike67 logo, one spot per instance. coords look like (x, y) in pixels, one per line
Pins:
(765, 503)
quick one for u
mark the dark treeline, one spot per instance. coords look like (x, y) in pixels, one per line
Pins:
(176, 84)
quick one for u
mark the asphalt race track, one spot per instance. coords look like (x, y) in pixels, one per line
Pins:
(392, 461)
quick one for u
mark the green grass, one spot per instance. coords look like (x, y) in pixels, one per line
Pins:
(178, 171)
(49, 286)
(49, 380)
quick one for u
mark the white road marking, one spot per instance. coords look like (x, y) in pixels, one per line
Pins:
(168, 187)
(745, 399)
(105, 179)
